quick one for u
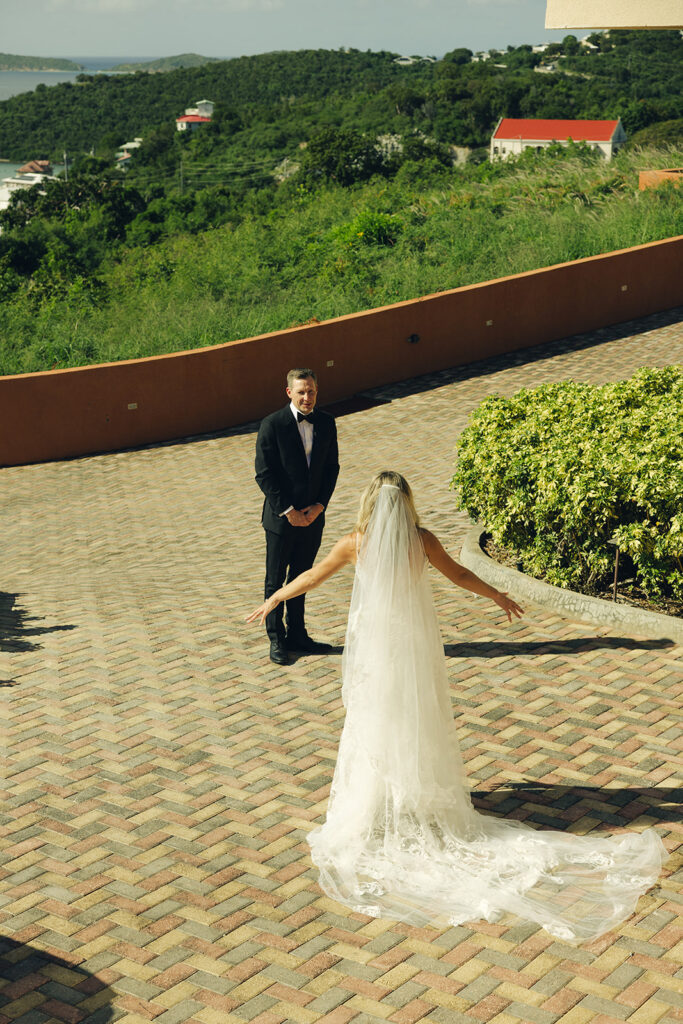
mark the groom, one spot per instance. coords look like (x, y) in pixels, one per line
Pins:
(297, 464)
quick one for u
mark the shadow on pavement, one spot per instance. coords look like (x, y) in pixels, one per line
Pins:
(56, 989)
(15, 628)
(507, 648)
(297, 655)
(610, 806)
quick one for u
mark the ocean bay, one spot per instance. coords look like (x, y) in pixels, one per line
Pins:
(12, 83)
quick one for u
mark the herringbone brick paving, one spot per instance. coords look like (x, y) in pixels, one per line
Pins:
(160, 774)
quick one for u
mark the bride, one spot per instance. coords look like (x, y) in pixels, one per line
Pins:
(401, 838)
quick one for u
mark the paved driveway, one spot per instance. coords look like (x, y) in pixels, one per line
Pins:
(160, 774)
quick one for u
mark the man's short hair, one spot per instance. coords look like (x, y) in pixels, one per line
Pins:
(300, 374)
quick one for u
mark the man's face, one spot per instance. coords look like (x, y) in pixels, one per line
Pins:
(303, 394)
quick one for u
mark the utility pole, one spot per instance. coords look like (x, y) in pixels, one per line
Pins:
(66, 168)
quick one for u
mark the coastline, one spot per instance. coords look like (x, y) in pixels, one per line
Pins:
(45, 71)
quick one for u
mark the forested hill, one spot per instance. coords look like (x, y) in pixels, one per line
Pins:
(182, 60)
(14, 62)
(100, 110)
(637, 76)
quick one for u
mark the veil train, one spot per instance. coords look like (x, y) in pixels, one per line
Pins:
(401, 838)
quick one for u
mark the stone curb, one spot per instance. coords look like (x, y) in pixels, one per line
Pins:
(595, 610)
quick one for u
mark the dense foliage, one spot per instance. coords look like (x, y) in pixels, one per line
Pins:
(559, 505)
(92, 272)
(274, 101)
(663, 133)
(103, 112)
(323, 185)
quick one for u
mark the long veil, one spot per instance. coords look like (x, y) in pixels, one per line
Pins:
(401, 838)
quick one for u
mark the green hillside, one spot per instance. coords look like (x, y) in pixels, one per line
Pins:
(182, 60)
(326, 183)
(637, 76)
(102, 111)
(13, 62)
(115, 278)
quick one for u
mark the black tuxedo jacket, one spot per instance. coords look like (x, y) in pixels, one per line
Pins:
(282, 472)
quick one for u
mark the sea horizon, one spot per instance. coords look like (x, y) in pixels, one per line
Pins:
(13, 83)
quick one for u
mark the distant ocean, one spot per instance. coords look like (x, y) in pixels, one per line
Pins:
(14, 82)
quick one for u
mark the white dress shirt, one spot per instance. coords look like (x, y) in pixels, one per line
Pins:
(305, 432)
(306, 435)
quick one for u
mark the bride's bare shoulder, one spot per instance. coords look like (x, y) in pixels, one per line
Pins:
(427, 537)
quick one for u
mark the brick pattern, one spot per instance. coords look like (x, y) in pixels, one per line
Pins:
(160, 774)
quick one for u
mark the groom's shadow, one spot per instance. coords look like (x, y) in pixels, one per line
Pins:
(52, 988)
(557, 807)
(296, 655)
(510, 648)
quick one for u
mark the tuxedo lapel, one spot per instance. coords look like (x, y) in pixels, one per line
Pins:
(317, 438)
(295, 445)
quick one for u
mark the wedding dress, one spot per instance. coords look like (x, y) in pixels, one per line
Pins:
(401, 839)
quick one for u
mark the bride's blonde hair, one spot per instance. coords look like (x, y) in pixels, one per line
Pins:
(369, 497)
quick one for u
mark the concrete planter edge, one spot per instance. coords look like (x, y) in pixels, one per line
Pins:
(579, 607)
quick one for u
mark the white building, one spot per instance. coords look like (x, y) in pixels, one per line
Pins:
(513, 135)
(125, 152)
(602, 14)
(25, 177)
(195, 116)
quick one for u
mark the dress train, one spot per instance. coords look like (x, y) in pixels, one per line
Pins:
(401, 839)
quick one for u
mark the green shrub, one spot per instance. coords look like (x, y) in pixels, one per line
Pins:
(558, 471)
(369, 228)
(314, 253)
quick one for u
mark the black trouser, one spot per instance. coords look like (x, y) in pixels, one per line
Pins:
(287, 555)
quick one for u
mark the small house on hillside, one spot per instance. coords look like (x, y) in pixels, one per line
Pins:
(32, 173)
(513, 135)
(125, 152)
(36, 167)
(194, 117)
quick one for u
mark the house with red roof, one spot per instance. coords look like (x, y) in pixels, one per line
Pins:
(194, 117)
(515, 134)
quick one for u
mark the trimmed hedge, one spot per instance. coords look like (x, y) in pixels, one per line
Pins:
(556, 472)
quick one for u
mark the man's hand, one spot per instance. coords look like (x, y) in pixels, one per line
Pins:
(304, 516)
(312, 512)
(297, 517)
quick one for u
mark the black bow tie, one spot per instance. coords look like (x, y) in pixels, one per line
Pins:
(300, 416)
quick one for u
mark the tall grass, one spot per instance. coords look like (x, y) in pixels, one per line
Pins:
(318, 256)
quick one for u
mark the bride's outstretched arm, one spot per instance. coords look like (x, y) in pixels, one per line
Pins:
(463, 577)
(341, 554)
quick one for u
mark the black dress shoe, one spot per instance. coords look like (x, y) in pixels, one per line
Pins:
(305, 645)
(278, 653)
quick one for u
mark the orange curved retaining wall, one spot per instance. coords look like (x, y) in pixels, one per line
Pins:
(63, 413)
